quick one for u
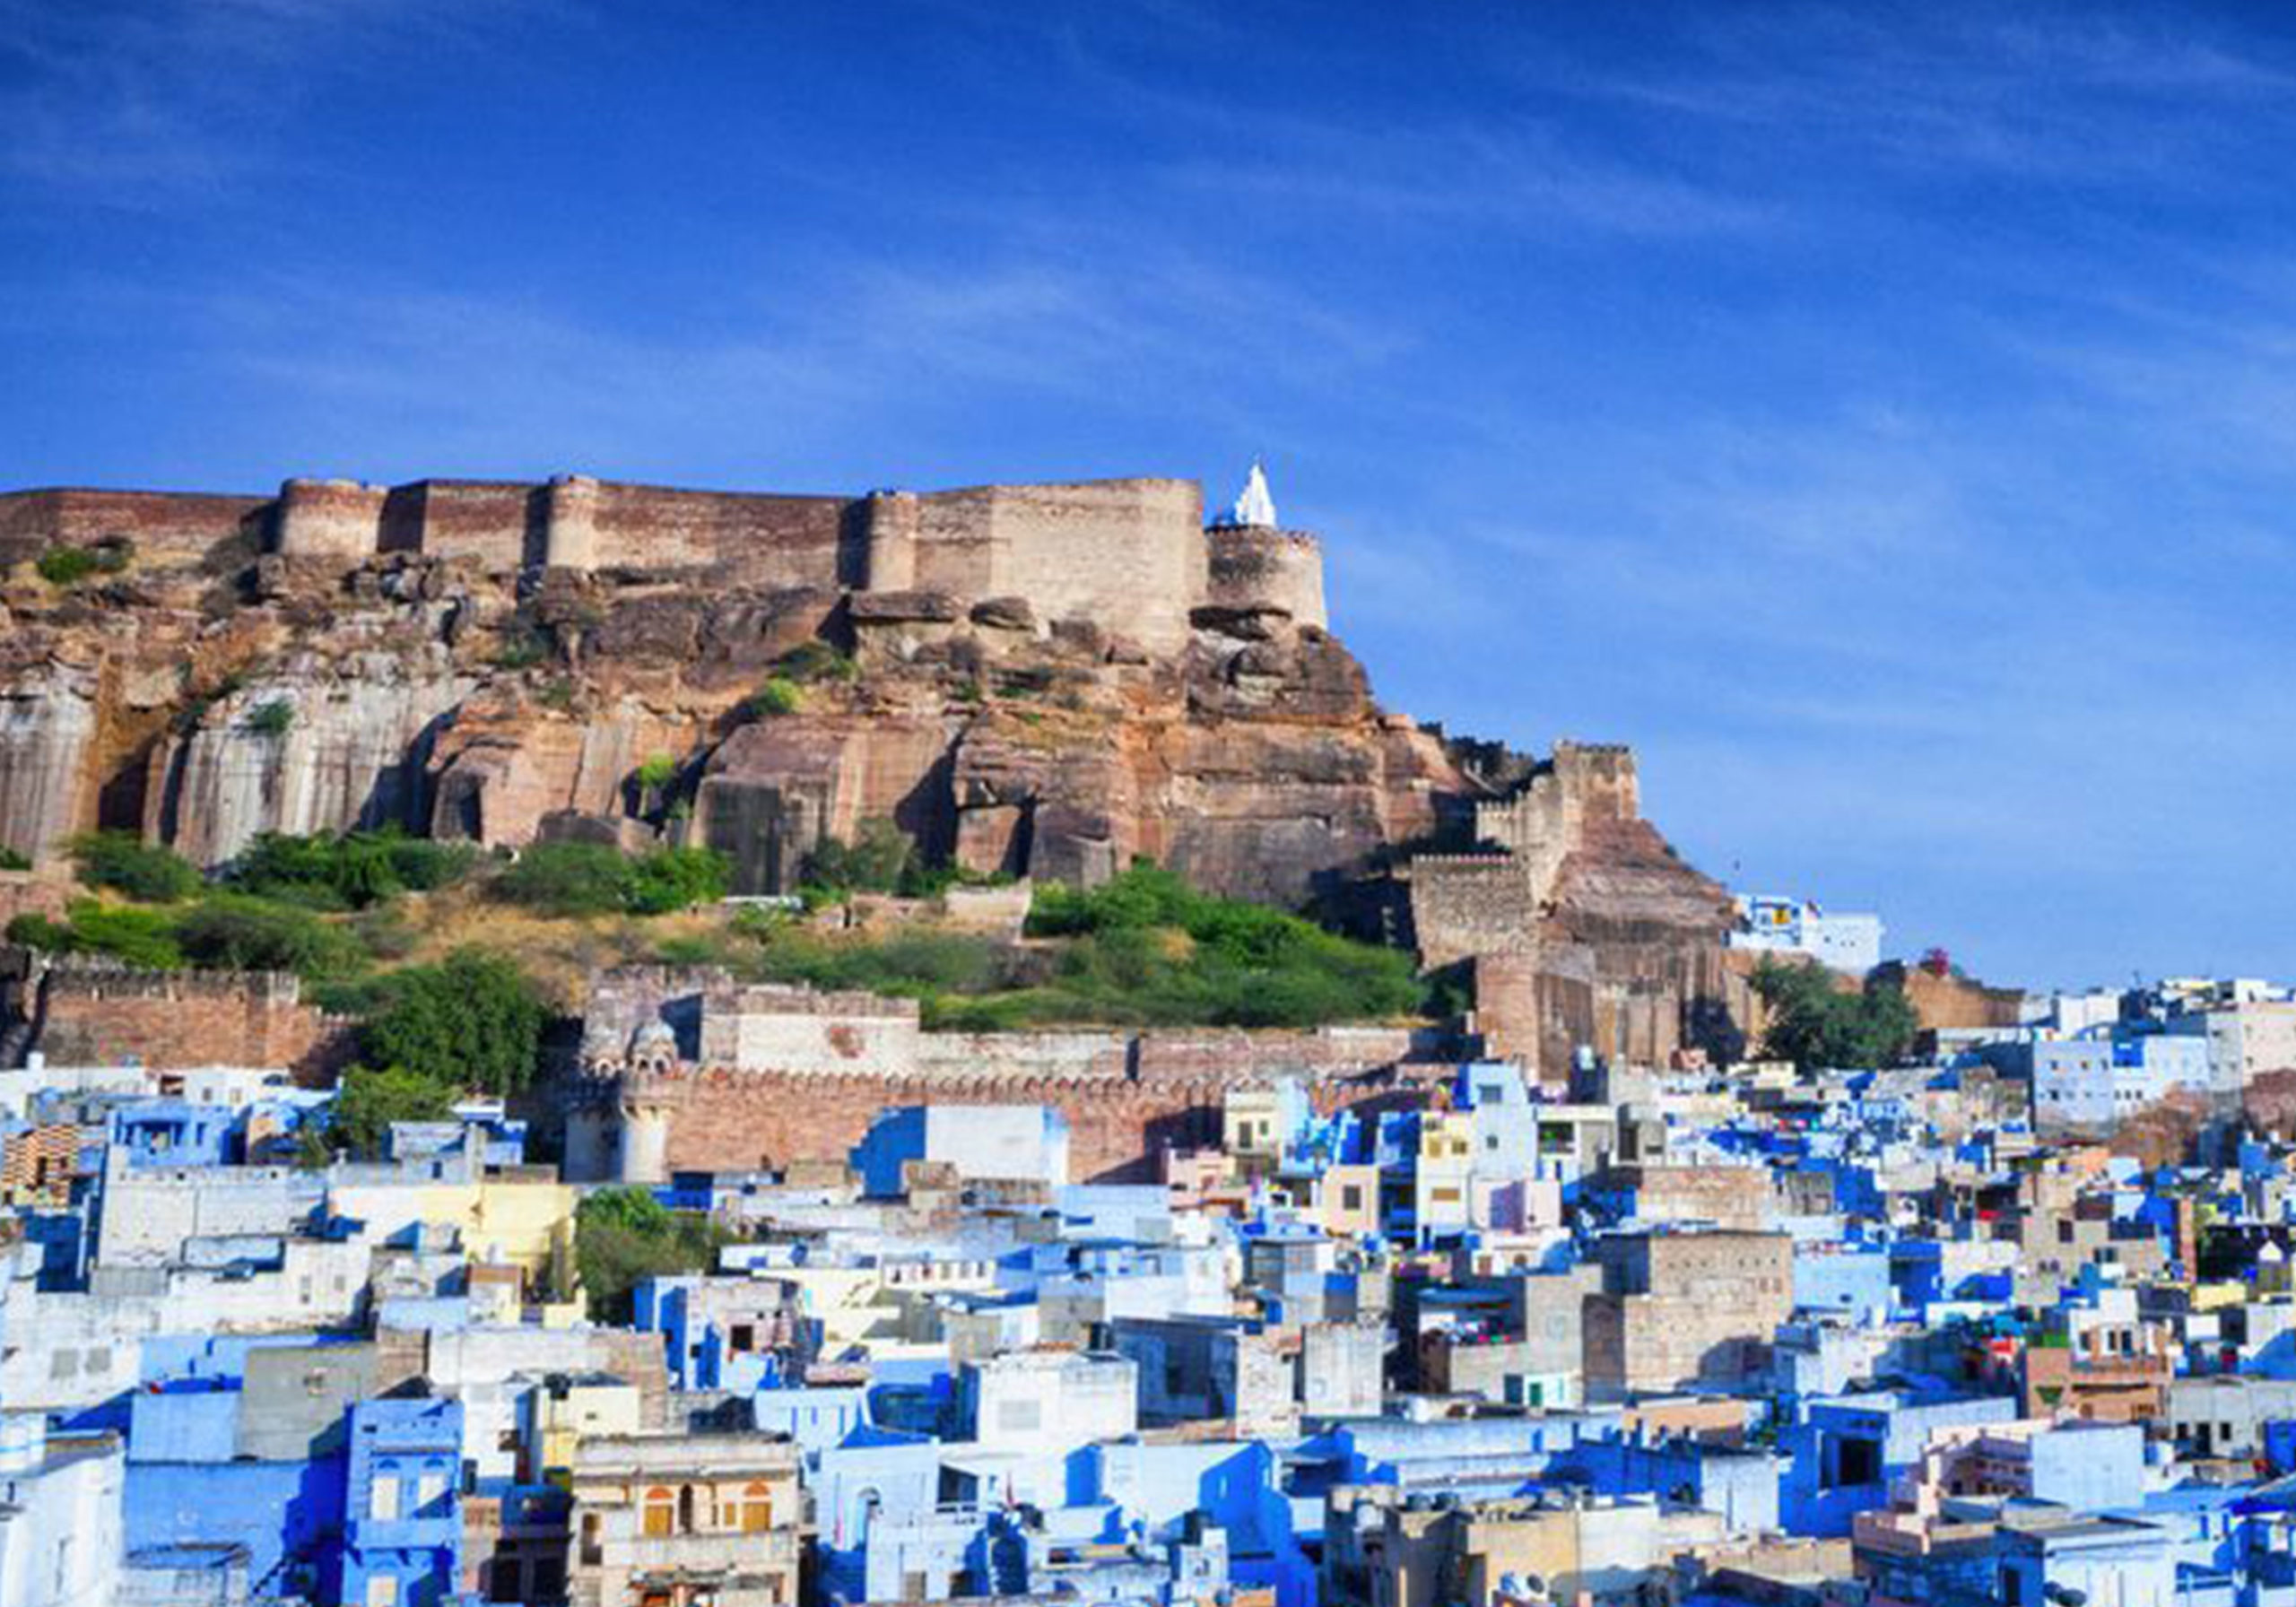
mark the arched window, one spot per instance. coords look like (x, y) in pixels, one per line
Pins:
(661, 1514)
(686, 1524)
(757, 1508)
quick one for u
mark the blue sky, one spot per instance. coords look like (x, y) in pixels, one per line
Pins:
(1883, 418)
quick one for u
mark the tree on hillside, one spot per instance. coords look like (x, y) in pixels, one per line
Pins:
(1814, 1022)
(623, 1236)
(471, 1021)
(366, 1103)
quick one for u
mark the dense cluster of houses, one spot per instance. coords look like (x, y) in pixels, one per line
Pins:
(1907, 1336)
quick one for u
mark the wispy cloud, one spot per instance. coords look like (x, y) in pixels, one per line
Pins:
(140, 104)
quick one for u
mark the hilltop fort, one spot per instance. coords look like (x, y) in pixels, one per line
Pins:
(1041, 680)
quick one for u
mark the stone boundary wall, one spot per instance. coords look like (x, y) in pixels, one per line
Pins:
(169, 528)
(173, 1019)
(1118, 1126)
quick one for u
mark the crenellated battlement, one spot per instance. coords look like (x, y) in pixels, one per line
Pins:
(1130, 555)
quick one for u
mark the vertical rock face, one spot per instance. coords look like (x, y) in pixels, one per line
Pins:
(307, 748)
(48, 728)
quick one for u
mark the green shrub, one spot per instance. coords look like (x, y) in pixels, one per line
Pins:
(125, 864)
(566, 879)
(145, 938)
(623, 1236)
(591, 878)
(234, 932)
(473, 1021)
(69, 566)
(274, 719)
(11, 860)
(909, 964)
(348, 870)
(32, 930)
(1144, 950)
(873, 861)
(658, 772)
(778, 696)
(672, 878)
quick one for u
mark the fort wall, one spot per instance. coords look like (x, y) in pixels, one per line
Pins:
(167, 528)
(768, 1075)
(102, 1016)
(1130, 555)
(1127, 553)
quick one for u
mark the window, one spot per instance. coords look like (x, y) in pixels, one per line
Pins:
(745, 1338)
(382, 1590)
(757, 1508)
(660, 1513)
(427, 1491)
(383, 1504)
(1351, 1197)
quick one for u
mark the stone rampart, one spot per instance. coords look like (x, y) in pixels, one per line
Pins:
(167, 528)
(1130, 555)
(92, 1015)
(761, 1075)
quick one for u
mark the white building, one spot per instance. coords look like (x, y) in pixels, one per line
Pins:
(60, 1528)
(1051, 1400)
(1770, 924)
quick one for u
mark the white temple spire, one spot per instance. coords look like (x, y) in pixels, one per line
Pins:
(1254, 509)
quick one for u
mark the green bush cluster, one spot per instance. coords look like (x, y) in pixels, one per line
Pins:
(1817, 1024)
(471, 1021)
(145, 938)
(11, 860)
(69, 566)
(125, 864)
(623, 1236)
(271, 916)
(232, 931)
(1143, 950)
(590, 879)
(778, 696)
(351, 870)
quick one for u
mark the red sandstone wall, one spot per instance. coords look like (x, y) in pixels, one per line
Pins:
(769, 540)
(175, 1019)
(168, 528)
(1117, 1127)
(496, 525)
